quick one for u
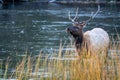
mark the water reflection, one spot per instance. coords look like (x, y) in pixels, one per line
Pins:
(32, 27)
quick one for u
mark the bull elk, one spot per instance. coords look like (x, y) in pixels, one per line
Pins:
(93, 40)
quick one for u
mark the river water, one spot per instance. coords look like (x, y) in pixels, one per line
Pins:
(32, 27)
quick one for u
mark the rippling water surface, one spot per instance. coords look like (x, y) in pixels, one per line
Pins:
(33, 27)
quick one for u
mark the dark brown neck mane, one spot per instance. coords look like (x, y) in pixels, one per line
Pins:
(81, 44)
(79, 40)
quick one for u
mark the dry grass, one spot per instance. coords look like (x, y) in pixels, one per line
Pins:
(69, 67)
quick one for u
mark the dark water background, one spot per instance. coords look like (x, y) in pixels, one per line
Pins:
(33, 27)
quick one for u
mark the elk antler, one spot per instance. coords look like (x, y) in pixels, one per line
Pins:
(73, 19)
(93, 15)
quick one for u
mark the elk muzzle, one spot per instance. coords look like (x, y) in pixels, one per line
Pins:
(73, 30)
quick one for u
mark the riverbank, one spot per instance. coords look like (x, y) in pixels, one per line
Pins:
(87, 2)
(64, 2)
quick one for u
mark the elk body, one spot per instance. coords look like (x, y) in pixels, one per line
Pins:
(94, 40)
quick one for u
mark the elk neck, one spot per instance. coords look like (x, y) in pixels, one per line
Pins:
(79, 40)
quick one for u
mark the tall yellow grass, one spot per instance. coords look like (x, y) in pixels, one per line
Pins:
(69, 67)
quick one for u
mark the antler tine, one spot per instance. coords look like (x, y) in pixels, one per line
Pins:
(70, 17)
(93, 16)
(76, 15)
(73, 20)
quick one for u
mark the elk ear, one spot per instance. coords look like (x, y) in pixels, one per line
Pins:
(82, 24)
